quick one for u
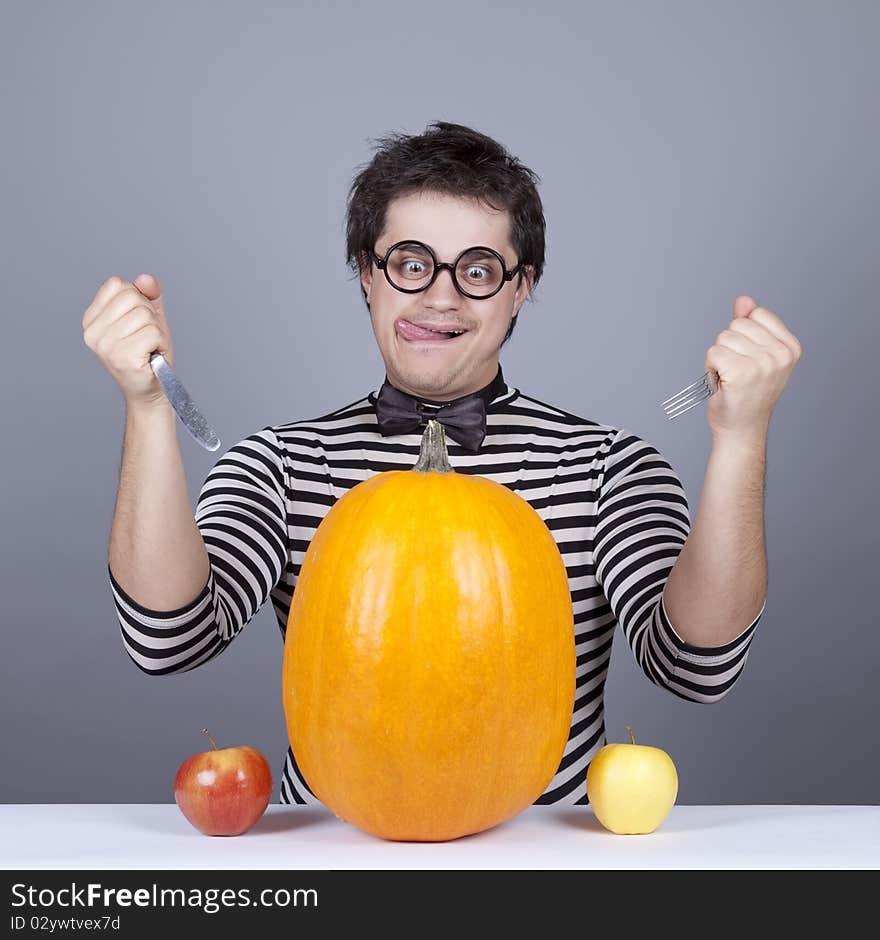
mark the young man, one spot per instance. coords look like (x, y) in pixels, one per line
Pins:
(446, 233)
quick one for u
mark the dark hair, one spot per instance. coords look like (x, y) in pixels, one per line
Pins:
(449, 159)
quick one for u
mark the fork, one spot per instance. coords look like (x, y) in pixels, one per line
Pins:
(691, 396)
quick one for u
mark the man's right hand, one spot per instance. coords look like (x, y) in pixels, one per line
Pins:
(124, 325)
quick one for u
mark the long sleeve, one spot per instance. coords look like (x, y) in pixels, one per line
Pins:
(642, 523)
(242, 515)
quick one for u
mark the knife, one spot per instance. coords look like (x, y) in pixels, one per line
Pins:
(193, 420)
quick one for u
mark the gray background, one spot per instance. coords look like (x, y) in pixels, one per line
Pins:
(688, 152)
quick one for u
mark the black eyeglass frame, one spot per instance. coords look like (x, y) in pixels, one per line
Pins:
(382, 265)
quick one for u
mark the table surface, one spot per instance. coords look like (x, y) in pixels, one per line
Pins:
(157, 836)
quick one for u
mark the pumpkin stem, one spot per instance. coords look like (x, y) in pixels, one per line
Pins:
(433, 455)
(205, 731)
(631, 735)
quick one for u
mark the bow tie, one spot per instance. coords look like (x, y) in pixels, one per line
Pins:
(464, 419)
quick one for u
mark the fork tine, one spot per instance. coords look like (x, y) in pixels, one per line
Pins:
(673, 398)
(681, 407)
(675, 414)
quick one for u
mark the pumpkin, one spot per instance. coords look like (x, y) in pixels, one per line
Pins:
(429, 662)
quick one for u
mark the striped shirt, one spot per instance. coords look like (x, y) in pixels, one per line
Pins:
(614, 505)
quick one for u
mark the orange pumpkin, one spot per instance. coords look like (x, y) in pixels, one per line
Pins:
(429, 663)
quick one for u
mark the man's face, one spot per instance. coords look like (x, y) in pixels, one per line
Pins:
(446, 368)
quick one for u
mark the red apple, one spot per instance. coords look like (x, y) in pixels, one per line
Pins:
(225, 791)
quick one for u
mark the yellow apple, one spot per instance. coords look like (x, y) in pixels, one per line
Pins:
(631, 787)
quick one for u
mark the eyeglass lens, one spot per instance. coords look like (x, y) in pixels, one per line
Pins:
(411, 267)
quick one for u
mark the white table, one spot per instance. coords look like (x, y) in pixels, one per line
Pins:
(157, 836)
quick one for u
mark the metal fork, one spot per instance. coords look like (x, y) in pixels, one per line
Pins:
(691, 396)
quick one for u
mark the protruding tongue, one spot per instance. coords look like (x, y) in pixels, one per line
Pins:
(411, 331)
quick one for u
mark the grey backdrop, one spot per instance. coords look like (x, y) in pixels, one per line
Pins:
(688, 152)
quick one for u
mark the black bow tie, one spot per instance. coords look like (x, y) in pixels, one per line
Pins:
(464, 419)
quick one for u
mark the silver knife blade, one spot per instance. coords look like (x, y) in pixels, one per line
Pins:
(193, 420)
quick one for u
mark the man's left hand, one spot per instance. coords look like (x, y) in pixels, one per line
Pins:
(753, 357)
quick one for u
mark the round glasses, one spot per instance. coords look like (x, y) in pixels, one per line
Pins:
(478, 272)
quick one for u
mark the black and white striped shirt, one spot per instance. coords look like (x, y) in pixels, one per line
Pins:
(612, 502)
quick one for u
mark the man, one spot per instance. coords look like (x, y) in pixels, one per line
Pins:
(446, 233)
